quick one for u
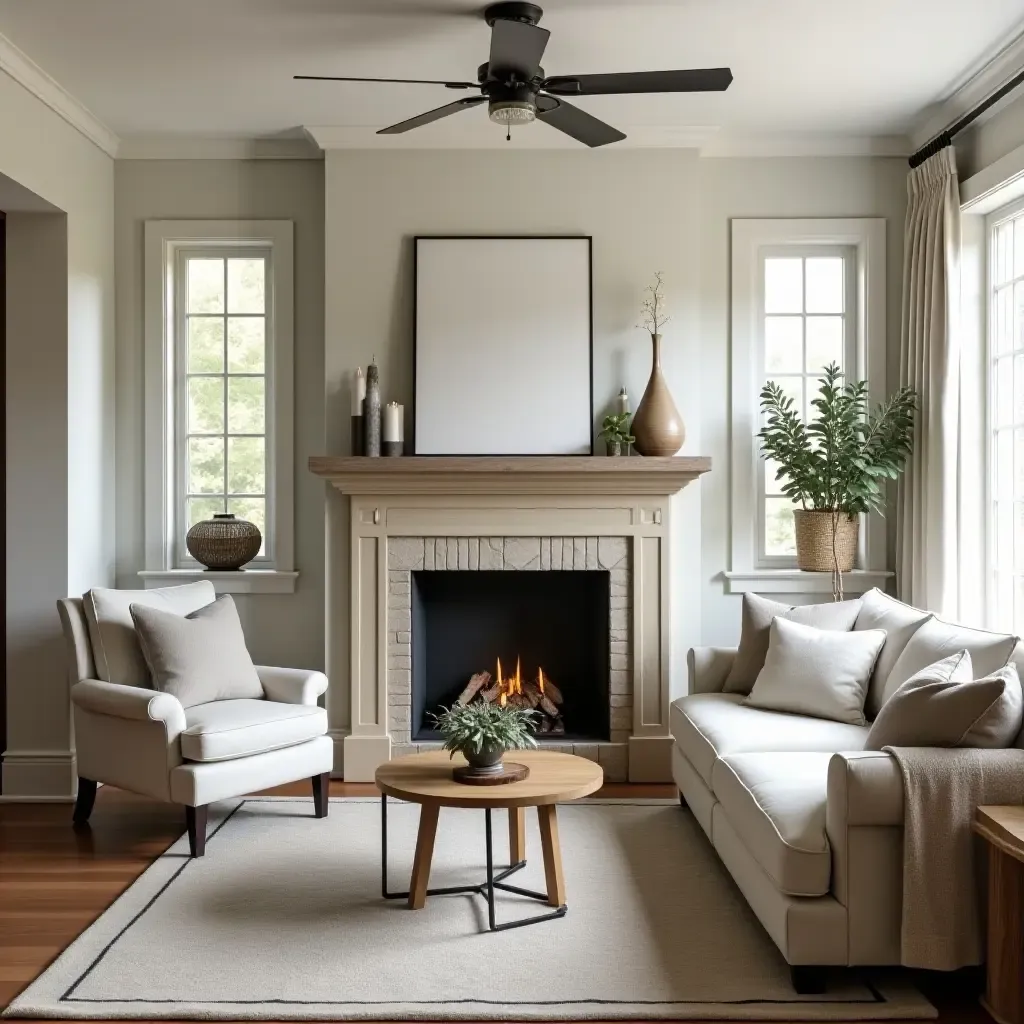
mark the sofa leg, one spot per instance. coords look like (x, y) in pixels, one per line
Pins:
(321, 789)
(195, 819)
(808, 980)
(682, 800)
(84, 801)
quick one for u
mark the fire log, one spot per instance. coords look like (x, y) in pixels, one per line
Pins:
(552, 691)
(491, 694)
(548, 707)
(557, 727)
(544, 725)
(476, 683)
(532, 694)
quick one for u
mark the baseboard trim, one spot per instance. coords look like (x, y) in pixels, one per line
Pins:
(41, 776)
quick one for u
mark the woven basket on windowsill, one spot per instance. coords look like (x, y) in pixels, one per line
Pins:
(814, 540)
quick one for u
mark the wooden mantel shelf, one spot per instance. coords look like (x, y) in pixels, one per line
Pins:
(507, 475)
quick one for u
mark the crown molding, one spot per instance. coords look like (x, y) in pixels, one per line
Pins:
(975, 85)
(27, 73)
(199, 147)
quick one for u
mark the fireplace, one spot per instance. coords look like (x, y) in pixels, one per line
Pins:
(551, 625)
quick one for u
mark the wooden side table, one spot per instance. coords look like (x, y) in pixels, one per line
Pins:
(1003, 828)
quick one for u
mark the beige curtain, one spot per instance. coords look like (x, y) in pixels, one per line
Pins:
(926, 522)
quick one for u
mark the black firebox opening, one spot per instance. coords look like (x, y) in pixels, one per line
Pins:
(462, 622)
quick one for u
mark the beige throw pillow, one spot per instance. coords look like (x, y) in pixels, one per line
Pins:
(200, 657)
(817, 672)
(900, 622)
(937, 639)
(758, 613)
(943, 706)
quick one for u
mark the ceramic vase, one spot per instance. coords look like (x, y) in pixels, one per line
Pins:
(224, 542)
(657, 425)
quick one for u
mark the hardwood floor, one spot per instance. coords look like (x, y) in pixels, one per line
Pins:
(54, 880)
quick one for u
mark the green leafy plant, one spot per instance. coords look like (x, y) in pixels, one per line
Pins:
(479, 725)
(840, 460)
(615, 428)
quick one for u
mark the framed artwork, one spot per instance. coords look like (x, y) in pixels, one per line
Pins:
(503, 345)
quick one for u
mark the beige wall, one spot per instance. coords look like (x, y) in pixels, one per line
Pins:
(646, 210)
(282, 629)
(984, 144)
(60, 475)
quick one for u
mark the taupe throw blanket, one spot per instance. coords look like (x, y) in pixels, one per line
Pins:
(943, 912)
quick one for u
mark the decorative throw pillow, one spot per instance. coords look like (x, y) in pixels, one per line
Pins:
(818, 672)
(943, 706)
(115, 647)
(937, 639)
(900, 622)
(200, 657)
(758, 613)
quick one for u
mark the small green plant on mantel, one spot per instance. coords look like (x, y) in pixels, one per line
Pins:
(482, 732)
(839, 462)
(615, 431)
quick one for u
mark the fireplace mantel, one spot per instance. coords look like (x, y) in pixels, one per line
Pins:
(524, 475)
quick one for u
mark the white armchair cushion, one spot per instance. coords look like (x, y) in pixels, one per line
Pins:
(226, 729)
(200, 657)
(115, 647)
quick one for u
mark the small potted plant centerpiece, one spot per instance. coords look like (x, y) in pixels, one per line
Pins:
(615, 431)
(834, 467)
(482, 732)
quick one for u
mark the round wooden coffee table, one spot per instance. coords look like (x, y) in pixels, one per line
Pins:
(426, 779)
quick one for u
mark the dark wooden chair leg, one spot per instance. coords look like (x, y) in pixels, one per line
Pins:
(808, 980)
(196, 819)
(84, 801)
(321, 789)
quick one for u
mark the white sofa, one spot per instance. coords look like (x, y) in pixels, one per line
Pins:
(142, 740)
(808, 823)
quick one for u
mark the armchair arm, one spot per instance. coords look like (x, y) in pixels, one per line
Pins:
(708, 667)
(130, 702)
(292, 685)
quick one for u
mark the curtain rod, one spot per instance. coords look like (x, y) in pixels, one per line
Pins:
(945, 138)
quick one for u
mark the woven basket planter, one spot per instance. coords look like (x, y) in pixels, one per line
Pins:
(814, 541)
(224, 542)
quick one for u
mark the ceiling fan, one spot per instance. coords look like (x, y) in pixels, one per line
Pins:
(513, 84)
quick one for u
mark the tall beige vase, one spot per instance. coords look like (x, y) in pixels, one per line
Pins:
(657, 425)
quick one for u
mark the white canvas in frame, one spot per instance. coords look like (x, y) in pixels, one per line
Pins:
(503, 346)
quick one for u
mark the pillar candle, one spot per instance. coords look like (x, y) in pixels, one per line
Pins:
(358, 392)
(392, 426)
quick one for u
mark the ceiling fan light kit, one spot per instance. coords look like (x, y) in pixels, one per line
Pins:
(516, 90)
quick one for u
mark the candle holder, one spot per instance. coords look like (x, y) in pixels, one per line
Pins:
(392, 449)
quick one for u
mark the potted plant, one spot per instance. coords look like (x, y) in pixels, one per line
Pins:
(482, 733)
(615, 431)
(835, 466)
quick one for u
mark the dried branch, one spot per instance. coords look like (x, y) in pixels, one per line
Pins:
(652, 310)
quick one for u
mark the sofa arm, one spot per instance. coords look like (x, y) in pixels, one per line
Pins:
(131, 702)
(708, 668)
(292, 685)
(865, 788)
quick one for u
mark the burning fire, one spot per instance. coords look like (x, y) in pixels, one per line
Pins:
(536, 693)
(512, 684)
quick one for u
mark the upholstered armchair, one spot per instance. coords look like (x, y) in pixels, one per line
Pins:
(143, 740)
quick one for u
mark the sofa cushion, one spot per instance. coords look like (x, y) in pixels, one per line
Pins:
(226, 729)
(776, 805)
(937, 639)
(756, 620)
(818, 672)
(900, 622)
(709, 725)
(115, 647)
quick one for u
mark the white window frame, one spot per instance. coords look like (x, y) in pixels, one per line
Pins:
(165, 243)
(1000, 216)
(752, 239)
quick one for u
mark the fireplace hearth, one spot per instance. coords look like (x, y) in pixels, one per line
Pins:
(550, 626)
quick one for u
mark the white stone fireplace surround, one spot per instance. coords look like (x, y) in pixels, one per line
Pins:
(525, 514)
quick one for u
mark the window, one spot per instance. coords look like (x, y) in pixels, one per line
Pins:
(807, 319)
(804, 293)
(218, 394)
(1006, 419)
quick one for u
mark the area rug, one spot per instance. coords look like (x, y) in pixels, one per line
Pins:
(284, 919)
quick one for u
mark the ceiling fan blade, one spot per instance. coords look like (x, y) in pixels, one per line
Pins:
(402, 81)
(516, 46)
(696, 80)
(433, 115)
(578, 123)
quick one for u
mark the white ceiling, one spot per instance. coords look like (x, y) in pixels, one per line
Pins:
(222, 68)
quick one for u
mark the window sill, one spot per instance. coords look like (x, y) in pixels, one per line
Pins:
(796, 581)
(240, 581)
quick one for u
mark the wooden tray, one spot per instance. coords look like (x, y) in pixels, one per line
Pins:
(513, 772)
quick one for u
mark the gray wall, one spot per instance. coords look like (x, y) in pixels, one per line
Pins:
(985, 143)
(283, 629)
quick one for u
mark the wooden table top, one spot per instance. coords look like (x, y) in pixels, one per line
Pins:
(1003, 826)
(427, 779)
